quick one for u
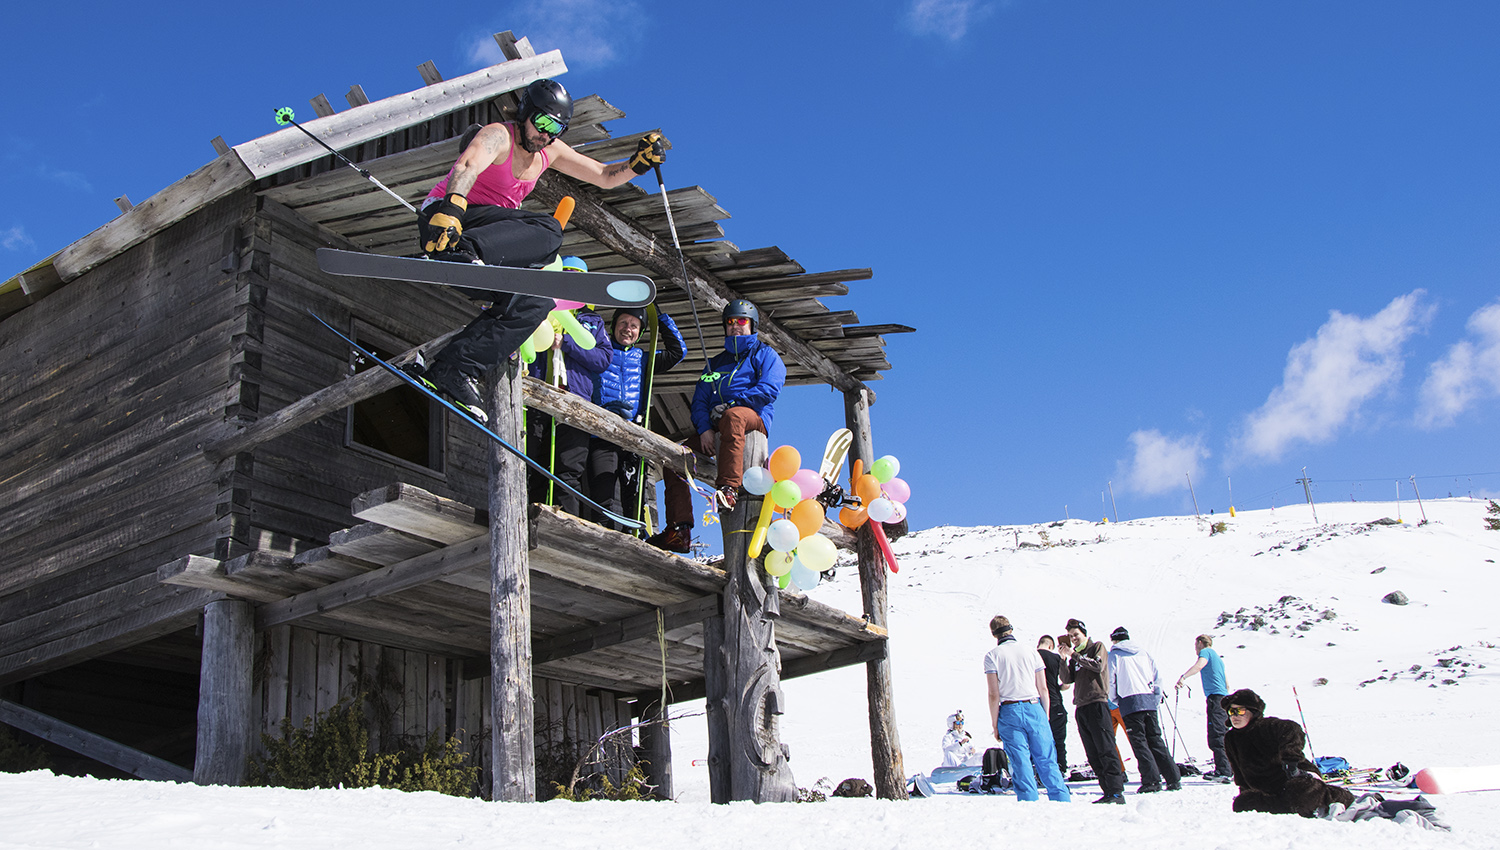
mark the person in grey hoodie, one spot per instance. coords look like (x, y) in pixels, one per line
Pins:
(1135, 685)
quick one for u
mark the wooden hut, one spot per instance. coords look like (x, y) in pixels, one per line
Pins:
(214, 519)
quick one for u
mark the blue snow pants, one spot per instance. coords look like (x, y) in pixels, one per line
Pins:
(1027, 736)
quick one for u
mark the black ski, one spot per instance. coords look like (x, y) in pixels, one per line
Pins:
(630, 523)
(605, 289)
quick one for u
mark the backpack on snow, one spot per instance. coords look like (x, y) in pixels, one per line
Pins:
(1332, 765)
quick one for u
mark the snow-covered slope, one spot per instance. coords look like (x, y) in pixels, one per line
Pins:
(1379, 683)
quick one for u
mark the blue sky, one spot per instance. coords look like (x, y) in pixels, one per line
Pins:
(1140, 241)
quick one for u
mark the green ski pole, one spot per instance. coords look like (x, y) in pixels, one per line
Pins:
(646, 387)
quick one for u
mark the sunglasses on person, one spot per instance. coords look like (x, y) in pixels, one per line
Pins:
(545, 123)
(1236, 711)
(738, 321)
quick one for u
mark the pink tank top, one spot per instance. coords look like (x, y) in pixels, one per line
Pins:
(497, 185)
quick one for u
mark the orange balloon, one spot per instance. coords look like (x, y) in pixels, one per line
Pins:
(852, 518)
(855, 470)
(867, 488)
(808, 516)
(784, 463)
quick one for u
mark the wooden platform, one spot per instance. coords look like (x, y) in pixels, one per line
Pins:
(416, 576)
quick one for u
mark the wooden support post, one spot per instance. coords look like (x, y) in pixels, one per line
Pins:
(656, 742)
(716, 709)
(512, 739)
(225, 683)
(749, 694)
(885, 741)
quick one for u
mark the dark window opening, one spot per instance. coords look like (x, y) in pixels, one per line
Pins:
(400, 423)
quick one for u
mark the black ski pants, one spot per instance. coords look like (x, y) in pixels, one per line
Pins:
(611, 476)
(1097, 729)
(572, 452)
(500, 237)
(1059, 721)
(1152, 756)
(1218, 726)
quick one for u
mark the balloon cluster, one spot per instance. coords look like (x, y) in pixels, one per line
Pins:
(558, 321)
(882, 497)
(799, 551)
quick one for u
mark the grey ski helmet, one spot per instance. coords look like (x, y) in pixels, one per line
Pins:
(739, 308)
(546, 97)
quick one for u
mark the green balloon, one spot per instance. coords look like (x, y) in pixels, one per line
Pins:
(886, 468)
(786, 494)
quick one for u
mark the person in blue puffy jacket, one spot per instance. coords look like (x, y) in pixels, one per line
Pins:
(575, 369)
(620, 389)
(736, 395)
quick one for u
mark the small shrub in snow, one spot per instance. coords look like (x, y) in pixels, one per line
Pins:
(1492, 522)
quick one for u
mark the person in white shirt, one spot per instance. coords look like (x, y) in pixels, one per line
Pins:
(1017, 683)
(958, 744)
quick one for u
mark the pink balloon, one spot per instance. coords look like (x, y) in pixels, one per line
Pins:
(897, 490)
(810, 482)
(899, 512)
(564, 304)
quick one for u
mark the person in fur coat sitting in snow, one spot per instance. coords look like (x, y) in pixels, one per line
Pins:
(1272, 773)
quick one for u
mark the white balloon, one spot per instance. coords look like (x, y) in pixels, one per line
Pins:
(783, 535)
(758, 481)
(881, 510)
(802, 577)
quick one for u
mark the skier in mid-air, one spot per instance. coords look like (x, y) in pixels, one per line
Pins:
(474, 215)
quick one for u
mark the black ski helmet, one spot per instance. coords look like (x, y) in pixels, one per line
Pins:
(546, 97)
(739, 308)
(638, 312)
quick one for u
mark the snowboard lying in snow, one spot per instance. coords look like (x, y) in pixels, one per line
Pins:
(1457, 780)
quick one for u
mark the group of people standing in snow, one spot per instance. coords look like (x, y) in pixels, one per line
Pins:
(1121, 686)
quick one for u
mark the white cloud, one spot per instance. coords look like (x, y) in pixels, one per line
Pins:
(1330, 377)
(1161, 463)
(1468, 372)
(590, 33)
(948, 19)
(70, 179)
(15, 239)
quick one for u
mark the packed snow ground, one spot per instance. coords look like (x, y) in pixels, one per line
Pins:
(1379, 683)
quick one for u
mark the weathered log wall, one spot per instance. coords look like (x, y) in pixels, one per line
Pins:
(107, 388)
(413, 695)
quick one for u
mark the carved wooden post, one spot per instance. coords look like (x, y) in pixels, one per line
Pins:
(749, 690)
(885, 741)
(225, 683)
(512, 737)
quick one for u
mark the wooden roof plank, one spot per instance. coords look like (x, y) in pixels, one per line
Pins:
(291, 147)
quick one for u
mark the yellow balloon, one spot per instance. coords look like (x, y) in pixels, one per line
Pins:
(778, 563)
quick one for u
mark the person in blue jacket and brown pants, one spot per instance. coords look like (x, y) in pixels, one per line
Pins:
(735, 396)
